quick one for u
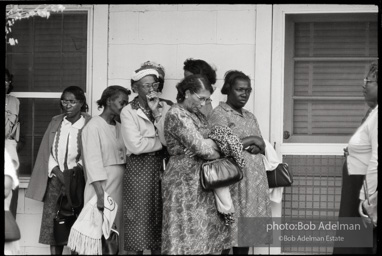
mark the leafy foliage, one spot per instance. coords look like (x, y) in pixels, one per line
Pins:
(16, 13)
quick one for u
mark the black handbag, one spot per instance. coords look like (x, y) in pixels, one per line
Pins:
(11, 229)
(110, 246)
(280, 177)
(219, 173)
(62, 224)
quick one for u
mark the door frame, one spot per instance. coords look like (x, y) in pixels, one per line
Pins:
(278, 80)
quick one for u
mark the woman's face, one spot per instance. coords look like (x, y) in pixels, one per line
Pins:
(145, 86)
(195, 101)
(239, 94)
(370, 91)
(116, 105)
(70, 105)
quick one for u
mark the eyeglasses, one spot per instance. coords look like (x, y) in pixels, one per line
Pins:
(153, 85)
(203, 100)
(69, 102)
(242, 90)
(365, 81)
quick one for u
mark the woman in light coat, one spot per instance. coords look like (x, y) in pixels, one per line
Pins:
(142, 132)
(104, 152)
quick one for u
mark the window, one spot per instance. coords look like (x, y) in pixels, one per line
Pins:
(327, 57)
(50, 56)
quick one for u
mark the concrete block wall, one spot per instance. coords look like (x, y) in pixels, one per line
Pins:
(222, 35)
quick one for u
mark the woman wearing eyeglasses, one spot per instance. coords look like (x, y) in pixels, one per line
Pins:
(60, 150)
(142, 132)
(191, 224)
(250, 195)
(201, 67)
(12, 131)
(361, 163)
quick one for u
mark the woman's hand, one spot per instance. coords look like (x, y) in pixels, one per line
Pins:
(153, 102)
(189, 153)
(59, 174)
(100, 202)
(254, 143)
(253, 149)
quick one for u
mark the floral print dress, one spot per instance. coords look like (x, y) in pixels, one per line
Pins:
(191, 223)
(250, 195)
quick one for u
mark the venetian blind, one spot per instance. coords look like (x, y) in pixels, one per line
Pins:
(330, 62)
(50, 55)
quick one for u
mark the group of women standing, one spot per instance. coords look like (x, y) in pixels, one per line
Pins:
(147, 153)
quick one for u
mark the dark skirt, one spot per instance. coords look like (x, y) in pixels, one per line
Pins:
(351, 186)
(142, 202)
(50, 209)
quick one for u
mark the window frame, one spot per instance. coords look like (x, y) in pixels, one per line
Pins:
(290, 20)
(279, 13)
(24, 180)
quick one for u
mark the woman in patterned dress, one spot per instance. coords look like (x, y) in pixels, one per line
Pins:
(104, 152)
(191, 223)
(60, 149)
(142, 132)
(250, 195)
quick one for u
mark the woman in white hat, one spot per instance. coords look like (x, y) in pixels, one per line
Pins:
(142, 132)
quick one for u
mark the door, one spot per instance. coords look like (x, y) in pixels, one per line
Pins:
(320, 56)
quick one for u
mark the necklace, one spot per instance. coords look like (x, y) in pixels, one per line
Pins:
(147, 112)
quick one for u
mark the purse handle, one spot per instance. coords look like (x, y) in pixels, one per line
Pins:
(111, 229)
(216, 160)
(61, 196)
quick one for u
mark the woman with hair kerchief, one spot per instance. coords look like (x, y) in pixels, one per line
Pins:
(60, 150)
(104, 153)
(142, 132)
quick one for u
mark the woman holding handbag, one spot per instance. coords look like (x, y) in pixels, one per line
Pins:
(60, 150)
(361, 162)
(191, 223)
(250, 195)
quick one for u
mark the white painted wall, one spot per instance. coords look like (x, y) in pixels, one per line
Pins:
(222, 35)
